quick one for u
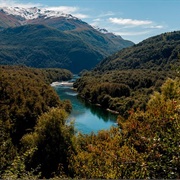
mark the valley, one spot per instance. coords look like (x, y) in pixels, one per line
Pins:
(117, 118)
(87, 118)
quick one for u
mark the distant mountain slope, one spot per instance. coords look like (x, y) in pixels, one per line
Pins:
(8, 21)
(158, 52)
(42, 46)
(107, 43)
(69, 43)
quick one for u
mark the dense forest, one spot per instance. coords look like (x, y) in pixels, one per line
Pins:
(37, 142)
(120, 91)
(135, 84)
(145, 146)
(160, 52)
(116, 83)
(140, 83)
(25, 98)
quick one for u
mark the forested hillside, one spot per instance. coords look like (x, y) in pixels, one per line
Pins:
(46, 47)
(145, 146)
(160, 52)
(26, 97)
(135, 83)
(127, 79)
(36, 142)
(51, 39)
(41, 46)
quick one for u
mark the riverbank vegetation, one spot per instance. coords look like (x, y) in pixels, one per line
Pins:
(123, 90)
(36, 141)
(146, 145)
(126, 79)
(25, 96)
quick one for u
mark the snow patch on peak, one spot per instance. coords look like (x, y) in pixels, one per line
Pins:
(34, 13)
(102, 30)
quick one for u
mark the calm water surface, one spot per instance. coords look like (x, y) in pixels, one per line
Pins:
(87, 118)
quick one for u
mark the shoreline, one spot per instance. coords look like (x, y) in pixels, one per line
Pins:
(75, 89)
(112, 111)
(99, 105)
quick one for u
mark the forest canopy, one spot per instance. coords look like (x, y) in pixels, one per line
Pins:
(37, 142)
(144, 146)
(141, 68)
(25, 95)
(122, 90)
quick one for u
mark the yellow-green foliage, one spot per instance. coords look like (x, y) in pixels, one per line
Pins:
(17, 169)
(146, 145)
(53, 140)
(143, 146)
(24, 96)
(121, 90)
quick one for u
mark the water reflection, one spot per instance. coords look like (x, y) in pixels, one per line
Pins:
(88, 118)
(99, 112)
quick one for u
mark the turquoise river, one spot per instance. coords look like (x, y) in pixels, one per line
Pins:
(87, 118)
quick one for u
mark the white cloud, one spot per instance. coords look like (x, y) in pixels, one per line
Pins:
(94, 24)
(109, 13)
(97, 20)
(156, 27)
(133, 22)
(75, 11)
(131, 33)
(80, 16)
(12, 3)
(64, 9)
(69, 10)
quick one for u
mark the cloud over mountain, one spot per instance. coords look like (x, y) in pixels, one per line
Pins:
(12, 3)
(134, 22)
(113, 21)
(57, 39)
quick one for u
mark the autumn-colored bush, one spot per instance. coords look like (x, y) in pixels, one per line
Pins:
(146, 145)
(24, 96)
(143, 146)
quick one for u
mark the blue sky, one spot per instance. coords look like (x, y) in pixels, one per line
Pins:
(134, 20)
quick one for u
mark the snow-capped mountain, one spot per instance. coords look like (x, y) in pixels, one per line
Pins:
(49, 38)
(34, 13)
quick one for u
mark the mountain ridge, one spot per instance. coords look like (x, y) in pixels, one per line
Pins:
(42, 46)
(34, 12)
(157, 53)
(68, 43)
